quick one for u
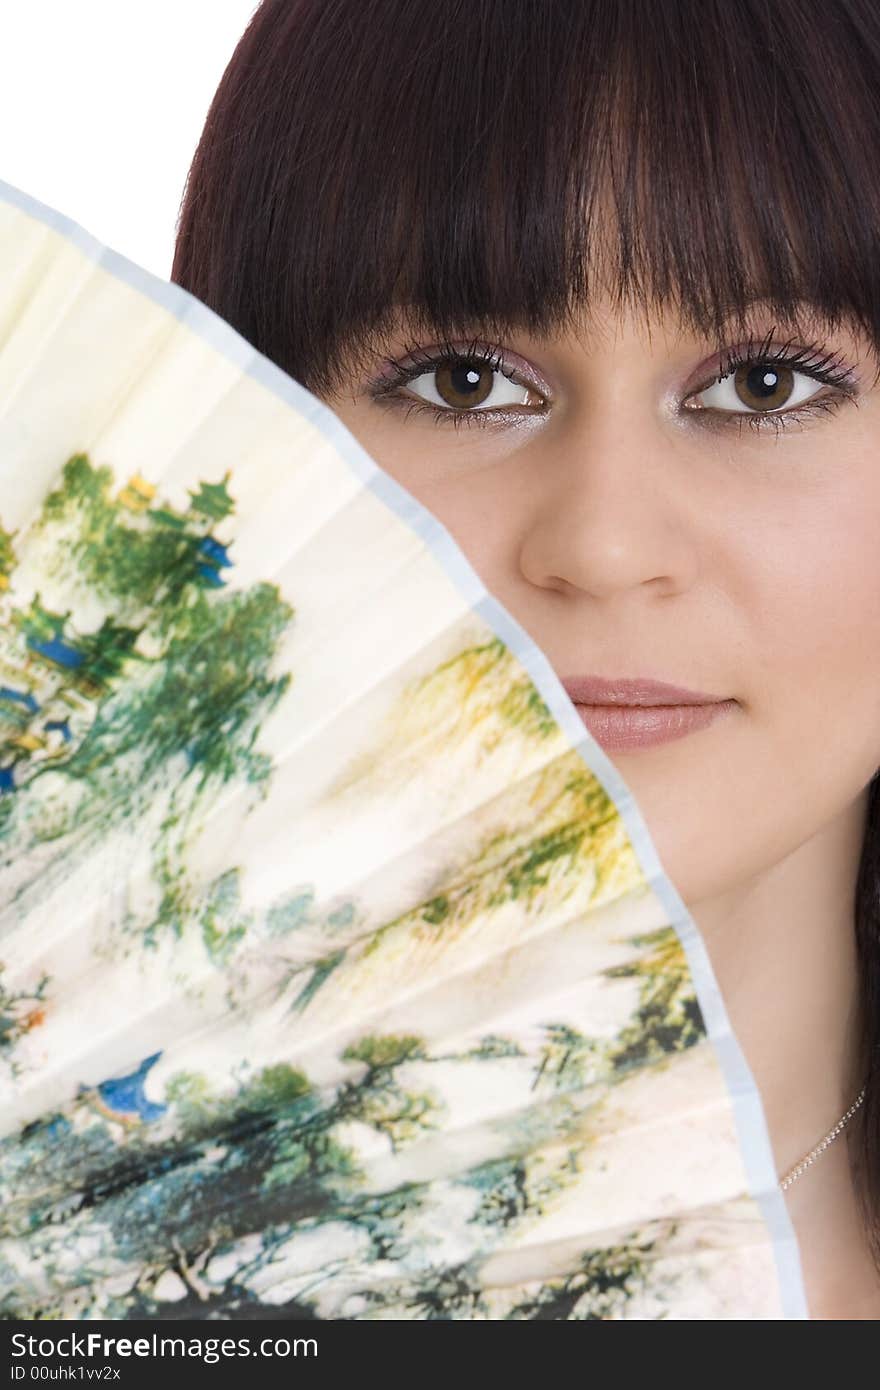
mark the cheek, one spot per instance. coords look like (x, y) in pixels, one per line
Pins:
(737, 798)
(807, 741)
(823, 756)
(817, 638)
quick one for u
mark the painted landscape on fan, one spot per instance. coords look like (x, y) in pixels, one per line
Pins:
(335, 980)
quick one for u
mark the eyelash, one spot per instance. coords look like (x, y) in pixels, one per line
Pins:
(813, 361)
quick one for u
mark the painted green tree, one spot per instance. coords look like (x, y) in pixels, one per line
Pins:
(178, 671)
(7, 556)
(229, 1180)
(668, 1018)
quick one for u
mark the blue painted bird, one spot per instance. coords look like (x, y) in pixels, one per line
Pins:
(123, 1097)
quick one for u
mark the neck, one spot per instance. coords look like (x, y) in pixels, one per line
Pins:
(782, 946)
(783, 950)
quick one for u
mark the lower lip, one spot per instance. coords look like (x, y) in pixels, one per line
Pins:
(621, 727)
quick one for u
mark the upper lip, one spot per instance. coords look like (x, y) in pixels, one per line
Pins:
(638, 690)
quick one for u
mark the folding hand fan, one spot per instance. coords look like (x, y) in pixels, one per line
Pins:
(340, 978)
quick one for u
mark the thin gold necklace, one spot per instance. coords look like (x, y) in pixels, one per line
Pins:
(794, 1173)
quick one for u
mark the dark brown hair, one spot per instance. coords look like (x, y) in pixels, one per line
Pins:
(494, 165)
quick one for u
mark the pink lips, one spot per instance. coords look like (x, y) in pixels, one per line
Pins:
(640, 713)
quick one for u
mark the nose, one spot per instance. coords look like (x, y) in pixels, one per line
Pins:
(615, 513)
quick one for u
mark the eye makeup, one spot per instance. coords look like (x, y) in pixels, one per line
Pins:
(813, 361)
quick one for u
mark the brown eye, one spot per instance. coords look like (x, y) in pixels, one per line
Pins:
(464, 384)
(459, 387)
(763, 385)
(757, 388)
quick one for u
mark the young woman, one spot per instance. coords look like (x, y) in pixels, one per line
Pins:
(599, 282)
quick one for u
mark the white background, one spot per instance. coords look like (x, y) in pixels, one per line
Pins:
(101, 106)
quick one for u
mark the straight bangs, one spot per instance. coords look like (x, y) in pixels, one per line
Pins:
(504, 166)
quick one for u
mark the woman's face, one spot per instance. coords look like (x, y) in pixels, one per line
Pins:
(625, 507)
